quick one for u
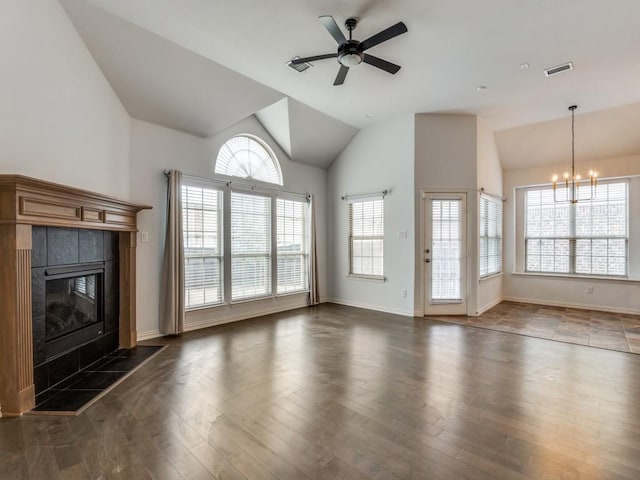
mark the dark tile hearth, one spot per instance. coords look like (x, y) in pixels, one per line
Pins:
(611, 331)
(76, 391)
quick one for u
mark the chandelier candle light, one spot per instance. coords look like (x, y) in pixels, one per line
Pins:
(573, 182)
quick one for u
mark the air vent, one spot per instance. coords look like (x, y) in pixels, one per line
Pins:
(558, 69)
(301, 67)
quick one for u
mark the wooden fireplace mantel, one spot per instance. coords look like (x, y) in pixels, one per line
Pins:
(24, 203)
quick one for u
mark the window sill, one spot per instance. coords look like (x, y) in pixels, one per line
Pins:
(491, 277)
(577, 277)
(204, 307)
(247, 300)
(373, 278)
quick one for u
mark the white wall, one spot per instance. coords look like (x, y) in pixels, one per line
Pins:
(609, 295)
(155, 148)
(378, 158)
(59, 119)
(445, 158)
(489, 179)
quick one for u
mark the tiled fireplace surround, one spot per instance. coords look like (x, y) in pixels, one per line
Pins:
(58, 248)
(38, 217)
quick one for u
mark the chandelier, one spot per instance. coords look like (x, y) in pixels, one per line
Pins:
(573, 184)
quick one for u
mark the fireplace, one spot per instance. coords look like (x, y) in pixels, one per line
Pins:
(75, 302)
(31, 211)
(74, 306)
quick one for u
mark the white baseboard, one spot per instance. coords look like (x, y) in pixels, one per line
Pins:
(486, 307)
(212, 323)
(148, 335)
(581, 306)
(377, 308)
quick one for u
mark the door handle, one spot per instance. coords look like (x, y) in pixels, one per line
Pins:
(427, 260)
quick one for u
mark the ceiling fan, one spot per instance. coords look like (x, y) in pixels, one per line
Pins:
(351, 52)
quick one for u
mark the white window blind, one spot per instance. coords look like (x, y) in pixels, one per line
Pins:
(587, 238)
(86, 285)
(203, 256)
(250, 246)
(292, 244)
(446, 254)
(490, 236)
(248, 157)
(366, 237)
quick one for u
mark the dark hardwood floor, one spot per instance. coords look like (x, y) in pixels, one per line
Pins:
(335, 392)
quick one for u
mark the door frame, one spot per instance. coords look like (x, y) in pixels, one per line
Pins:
(470, 205)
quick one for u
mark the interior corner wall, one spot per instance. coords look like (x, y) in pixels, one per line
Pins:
(446, 159)
(61, 120)
(489, 179)
(154, 149)
(380, 157)
(606, 294)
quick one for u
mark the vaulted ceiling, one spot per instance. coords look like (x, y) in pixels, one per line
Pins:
(196, 65)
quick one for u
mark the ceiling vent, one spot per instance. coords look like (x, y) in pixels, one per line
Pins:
(558, 69)
(300, 67)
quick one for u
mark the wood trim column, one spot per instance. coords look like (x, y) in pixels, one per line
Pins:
(17, 392)
(127, 265)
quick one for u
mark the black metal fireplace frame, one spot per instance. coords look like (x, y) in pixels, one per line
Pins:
(84, 335)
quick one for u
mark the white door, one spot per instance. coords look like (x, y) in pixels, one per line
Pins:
(445, 254)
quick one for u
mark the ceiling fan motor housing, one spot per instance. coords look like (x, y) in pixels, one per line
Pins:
(349, 53)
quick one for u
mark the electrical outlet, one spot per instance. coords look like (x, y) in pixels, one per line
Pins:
(144, 237)
(403, 294)
(589, 290)
(402, 234)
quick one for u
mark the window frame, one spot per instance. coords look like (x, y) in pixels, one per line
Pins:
(268, 254)
(217, 166)
(306, 233)
(573, 238)
(225, 219)
(210, 186)
(498, 236)
(351, 237)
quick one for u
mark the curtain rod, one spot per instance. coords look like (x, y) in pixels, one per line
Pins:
(229, 183)
(497, 197)
(383, 194)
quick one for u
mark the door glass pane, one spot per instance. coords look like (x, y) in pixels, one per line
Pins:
(446, 250)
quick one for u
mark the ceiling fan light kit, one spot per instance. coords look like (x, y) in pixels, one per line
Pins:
(351, 52)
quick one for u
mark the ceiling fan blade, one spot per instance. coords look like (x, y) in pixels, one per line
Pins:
(298, 61)
(342, 74)
(333, 28)
(387, 34)
(381, 64)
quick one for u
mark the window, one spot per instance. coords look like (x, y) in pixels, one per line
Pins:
(265, 239)
(292, 246)
(587, 238)
(203, 256)
(490, 236)
(366, 237)
(248, 157)
(250, 246)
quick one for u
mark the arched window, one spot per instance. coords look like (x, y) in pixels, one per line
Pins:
(246, 156)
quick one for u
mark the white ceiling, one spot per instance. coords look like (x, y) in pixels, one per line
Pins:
(202, 65)
(164, 83)
(450, 49)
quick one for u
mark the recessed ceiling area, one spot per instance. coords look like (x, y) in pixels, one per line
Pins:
(599, 135)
